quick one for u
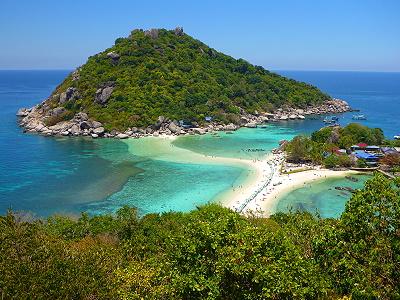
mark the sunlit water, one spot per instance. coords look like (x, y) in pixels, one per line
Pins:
(69, 175)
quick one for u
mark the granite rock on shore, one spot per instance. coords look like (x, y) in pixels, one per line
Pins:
(35, 120)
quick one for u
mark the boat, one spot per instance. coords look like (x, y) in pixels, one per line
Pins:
(359, 117)
(331, 120)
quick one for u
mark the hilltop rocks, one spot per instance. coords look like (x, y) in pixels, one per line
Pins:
(178, 31)
(153, 33)
(103, 94)
(113, 55)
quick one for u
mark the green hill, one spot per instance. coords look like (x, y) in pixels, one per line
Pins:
(169, 73)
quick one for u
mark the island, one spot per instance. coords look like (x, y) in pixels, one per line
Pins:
(162, 81)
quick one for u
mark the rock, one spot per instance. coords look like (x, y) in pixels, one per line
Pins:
(75, 75)
(74, 129)
(58, 111)
(39, 128)
(81, 116)
(96, 124)
(178, 31)
(230, 127)
(251, 125)
(199, 131)
(283, 118)
(65, 133)
(244, 120)
(61, 126)
(174, 128)
(153, 33)
(103, 94)
(94, 135)
(85, 125)
(301, 117)
(292, 117)
(23, 112)
(98, 130)
(70, 94)
(122, 136)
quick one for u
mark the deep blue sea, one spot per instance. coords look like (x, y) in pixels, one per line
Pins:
(68, 175)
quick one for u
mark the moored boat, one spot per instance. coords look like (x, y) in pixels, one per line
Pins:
(359, 117)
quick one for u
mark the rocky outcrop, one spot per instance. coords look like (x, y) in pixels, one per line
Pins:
(70, 94)
(178, 31)
(113, 55)
(103, 94)
(23, 112)
(174, 128)
(34, 119)
(153, 33)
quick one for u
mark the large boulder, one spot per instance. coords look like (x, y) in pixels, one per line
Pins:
(81, 116)
(122, 136)
(114, 56)
(199, 131)
(70, 94)
(174, 128)
(23, 112)
(153, 33)
(85, 125)
(103, 94)
(230, 127)
(75, 130)
(96, 124)
(98, 130)
(57, 111)
(251, 125)
(178, 31)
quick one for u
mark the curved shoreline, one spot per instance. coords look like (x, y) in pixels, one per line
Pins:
(256, 192)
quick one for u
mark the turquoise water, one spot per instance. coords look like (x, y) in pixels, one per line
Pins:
(244, 143)
(69, 175)
(321, 197)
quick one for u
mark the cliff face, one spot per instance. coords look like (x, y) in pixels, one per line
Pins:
(164, 73)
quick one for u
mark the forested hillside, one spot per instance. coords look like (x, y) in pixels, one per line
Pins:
(210, 253)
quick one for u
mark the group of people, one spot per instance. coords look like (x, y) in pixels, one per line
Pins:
(273, 165)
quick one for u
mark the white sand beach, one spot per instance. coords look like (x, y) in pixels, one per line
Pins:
(280, 184)
(261, 185)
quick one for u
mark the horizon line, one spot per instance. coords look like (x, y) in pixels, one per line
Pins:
(272, 70)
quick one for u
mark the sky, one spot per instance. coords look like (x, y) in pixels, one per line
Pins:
(351, 35)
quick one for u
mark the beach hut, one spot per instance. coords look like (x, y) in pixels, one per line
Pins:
(368, 157)
(362, 145)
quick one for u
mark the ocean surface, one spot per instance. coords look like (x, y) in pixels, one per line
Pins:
(46, 175)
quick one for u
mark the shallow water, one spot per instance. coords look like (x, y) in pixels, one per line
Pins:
(321, 197)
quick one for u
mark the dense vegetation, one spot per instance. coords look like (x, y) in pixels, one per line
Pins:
(210, 253)
(179, 77)
(327, 140)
